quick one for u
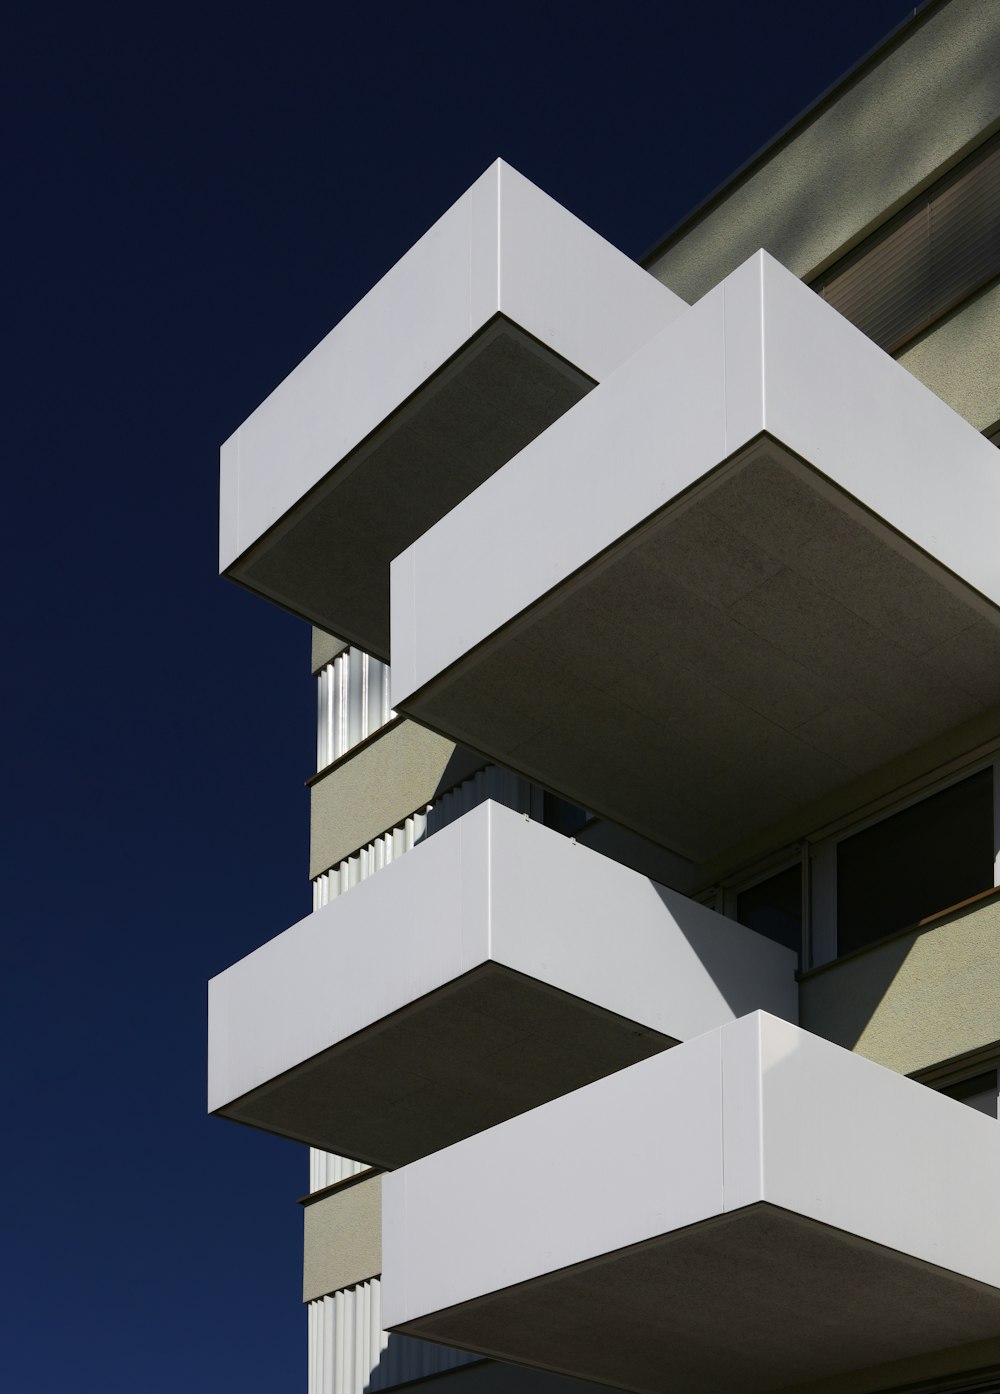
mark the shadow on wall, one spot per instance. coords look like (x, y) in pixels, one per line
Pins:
(749, 971)
(403, 1358)
(841, 1000)
(923, 997)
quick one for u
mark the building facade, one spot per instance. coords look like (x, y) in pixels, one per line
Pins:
(646, 1027)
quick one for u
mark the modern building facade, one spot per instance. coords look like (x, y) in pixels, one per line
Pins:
(646, 1027)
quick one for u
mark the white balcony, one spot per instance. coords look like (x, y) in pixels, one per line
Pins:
(501, 317)
(494, 967)
(753, 1210)
(755, 564)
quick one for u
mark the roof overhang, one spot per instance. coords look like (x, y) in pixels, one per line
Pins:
(501, 317)
(755, 564)
(494, 967)
(754, 1209)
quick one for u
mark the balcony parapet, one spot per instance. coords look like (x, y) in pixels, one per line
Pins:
(496, 966)
(755, 564)
(753, 1210)
(501, 317)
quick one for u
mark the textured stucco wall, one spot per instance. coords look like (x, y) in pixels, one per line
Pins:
(858, 161)
(343, 1239)
(918, 1000)
(385, 781)
(325, 648)
(958, 359)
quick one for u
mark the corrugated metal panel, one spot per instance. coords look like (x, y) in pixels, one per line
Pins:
(365, 862)
(492, 782)
(933, 255)
(326, 1169)
(349, 1353)
(352, 703)
(488, 783)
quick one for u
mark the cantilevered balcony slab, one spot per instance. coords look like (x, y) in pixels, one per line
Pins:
(755, 1209)
(500, 318)
(494, 967)
(756, 563)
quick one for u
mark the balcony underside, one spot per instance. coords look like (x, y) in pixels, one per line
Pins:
(328, 557)
(475, 978)
(752, 1210)
(482, 1049)
(754, 566)
(748, 1303)
(750, 650)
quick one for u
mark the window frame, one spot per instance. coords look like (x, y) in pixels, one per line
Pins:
(817, 854)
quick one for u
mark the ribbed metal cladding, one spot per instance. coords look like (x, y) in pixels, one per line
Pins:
(488, 783)
(934, 254)
(326, 1169)
(352, 703)
(349, 1353)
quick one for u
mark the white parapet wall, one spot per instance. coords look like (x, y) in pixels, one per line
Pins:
(496, 965)
(504, 314)
(786, 1209)
(756, 563)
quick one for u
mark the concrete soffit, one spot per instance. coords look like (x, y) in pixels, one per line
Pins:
(779, 568)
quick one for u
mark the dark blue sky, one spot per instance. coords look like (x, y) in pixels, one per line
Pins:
(193, 196)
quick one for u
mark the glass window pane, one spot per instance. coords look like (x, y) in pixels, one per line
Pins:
(774, 907)
(920, 861)
(979, 1092)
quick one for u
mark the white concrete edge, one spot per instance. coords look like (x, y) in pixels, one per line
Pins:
(570, 917)
(759, 352)
(473, 1218)
(491, 886)
(352, 962)
(868, 424)
(503, 245)
(756, 1110)
(856, 1146)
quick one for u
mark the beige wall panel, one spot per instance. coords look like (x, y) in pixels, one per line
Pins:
(917, 1000)
(325, 648)
(372, 790)
(856, 162)
(343, 1239)
(958, 359)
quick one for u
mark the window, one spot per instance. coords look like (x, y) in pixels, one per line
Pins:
(977, 1091)
(563, 816)
(915, 863)
(938, 251)
(888, 874)
(774, 907)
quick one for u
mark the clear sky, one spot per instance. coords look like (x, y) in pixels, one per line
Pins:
(193, 195)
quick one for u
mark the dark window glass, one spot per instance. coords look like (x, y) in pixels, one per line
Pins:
(979, 1092)
(774, 907)
(562, 815)
(916, 863)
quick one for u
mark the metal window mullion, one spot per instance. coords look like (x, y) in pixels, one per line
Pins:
(996, 820)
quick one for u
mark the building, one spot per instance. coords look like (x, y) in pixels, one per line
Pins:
(661, 1051)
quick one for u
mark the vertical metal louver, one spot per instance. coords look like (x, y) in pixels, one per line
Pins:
(935, 253)
(490, 783)
(349, 1353)
(353, 702)
(326, 1169)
